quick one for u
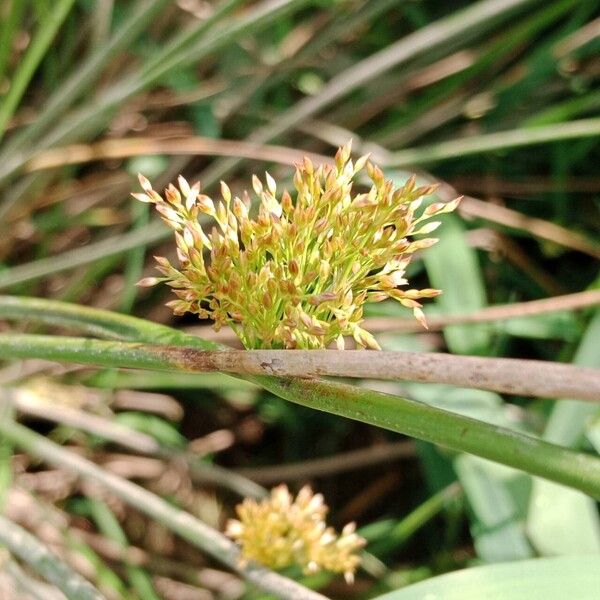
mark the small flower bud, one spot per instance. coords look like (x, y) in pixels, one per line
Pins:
(428, 228)
(172, 194)
(271, 185)
(225, 193)
(143, 198)
(257, 185)
(146, 185)
(286, 203)
(149, 281)
(239, 209)
(184, 186)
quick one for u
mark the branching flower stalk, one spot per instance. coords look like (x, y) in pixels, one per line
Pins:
(297, 275)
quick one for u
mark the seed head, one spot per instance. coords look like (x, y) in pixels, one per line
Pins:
(282, 530)
(299, 273)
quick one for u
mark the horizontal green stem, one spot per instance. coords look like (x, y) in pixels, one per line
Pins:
(492, 142)
(544, 379)
(100, 323)
(409, 417)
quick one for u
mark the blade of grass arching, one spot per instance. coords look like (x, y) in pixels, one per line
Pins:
(547, 578)
(71, 88)
(560, 520)
(109, 526)
(29, 549)
(492, 142)
(184, 524)
(389, 412)
(100, 323)
(13, 13)
(33, 56)
(464, 24)
(116, 245)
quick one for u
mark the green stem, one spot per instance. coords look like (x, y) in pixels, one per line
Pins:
(417, 518)
(109, 526)
(100, 323)
(545, 379)
(34, 55)
(401, 415)
(70, 89)
(492, 142)
(28, 548)
(152, 233)
(451, 430)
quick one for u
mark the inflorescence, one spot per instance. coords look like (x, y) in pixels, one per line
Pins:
(281, 531)
(299, 273)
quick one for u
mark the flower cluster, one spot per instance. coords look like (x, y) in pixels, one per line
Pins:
(298, 274)
(281, 531)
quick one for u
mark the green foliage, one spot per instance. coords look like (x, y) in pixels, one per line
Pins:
(552, 578)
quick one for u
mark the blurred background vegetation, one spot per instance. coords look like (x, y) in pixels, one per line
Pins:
(497, 99)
